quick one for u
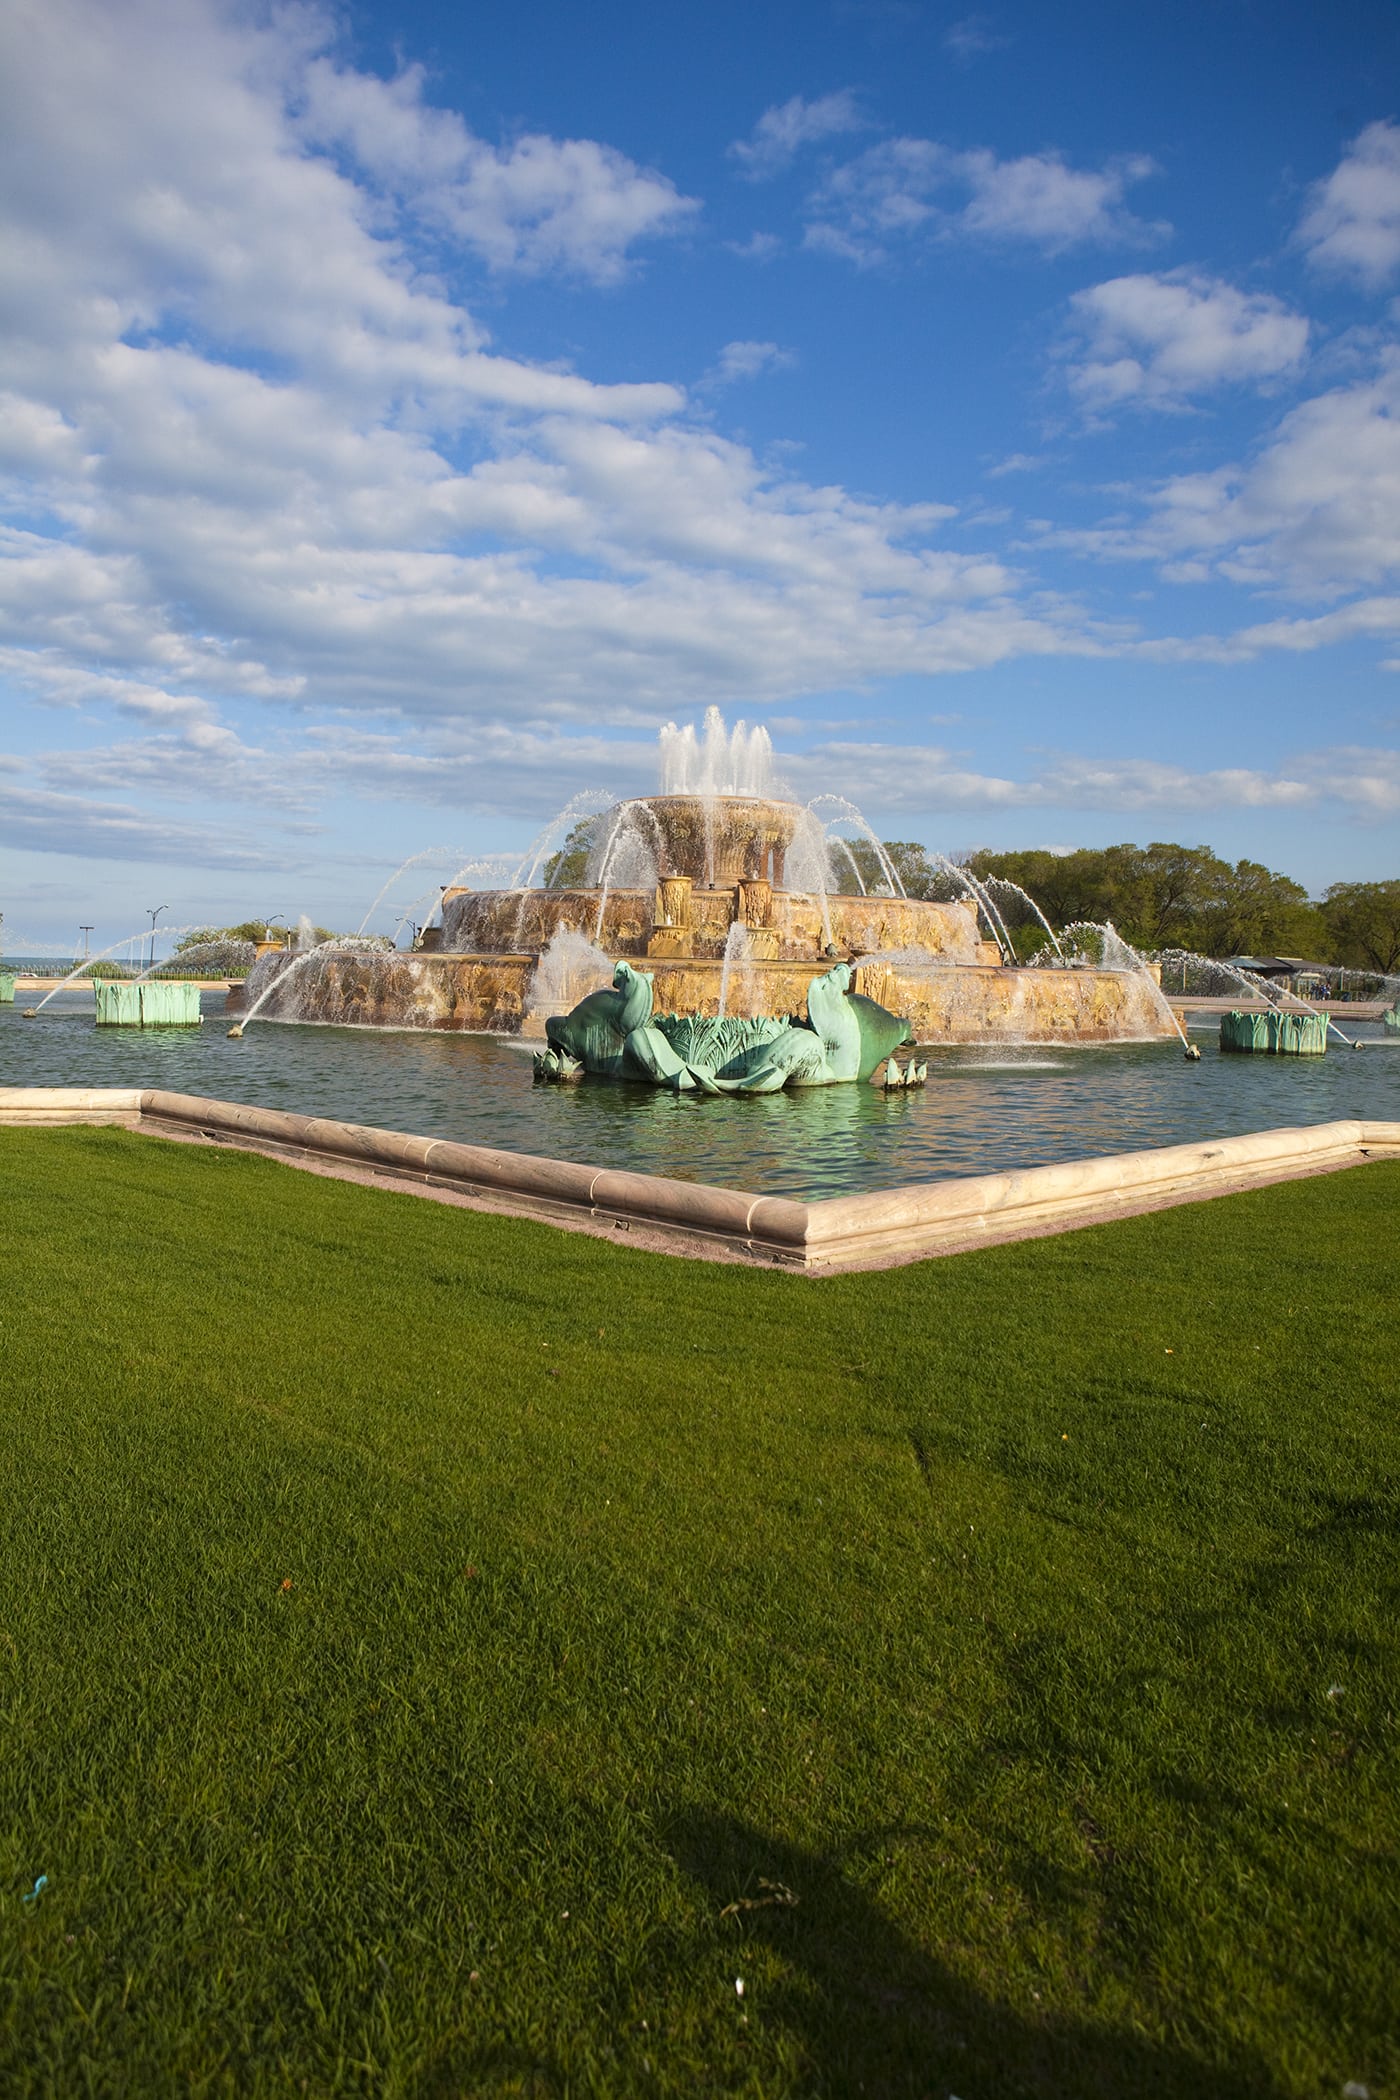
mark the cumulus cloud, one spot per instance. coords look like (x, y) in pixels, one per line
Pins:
(973, 37)
(1316, 511)
(759, 247)
(738, 361)
(258, 460)
(908, 187)
(1155, 341)
(782, 131)
(1352, 223)
(276, 463)
(538, 204)
(927, 779)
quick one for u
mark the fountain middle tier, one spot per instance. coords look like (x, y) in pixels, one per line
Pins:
(678, 919)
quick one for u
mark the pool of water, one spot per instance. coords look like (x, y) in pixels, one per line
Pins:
(982, 1110)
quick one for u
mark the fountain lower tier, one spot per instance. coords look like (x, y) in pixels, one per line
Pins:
(945, 1002)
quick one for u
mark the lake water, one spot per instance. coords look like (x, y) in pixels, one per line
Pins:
(982, 1110)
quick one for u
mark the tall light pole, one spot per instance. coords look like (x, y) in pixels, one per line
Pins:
(153, 916)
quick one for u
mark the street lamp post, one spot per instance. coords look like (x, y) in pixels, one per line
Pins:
(153, 916)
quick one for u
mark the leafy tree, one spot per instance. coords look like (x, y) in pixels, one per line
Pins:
(1090, 883)
(253, 930)
(910, 862)
(1363, 924)
(1167, 895)
(915, 870)
(568, 868)
(1250, 910)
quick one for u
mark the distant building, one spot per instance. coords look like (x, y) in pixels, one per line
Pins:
(1292, 972)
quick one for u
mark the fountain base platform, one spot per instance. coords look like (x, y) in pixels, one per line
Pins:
(945, 1003)
(150, 1005)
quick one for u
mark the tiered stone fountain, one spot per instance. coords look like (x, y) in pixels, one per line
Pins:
(722, 893)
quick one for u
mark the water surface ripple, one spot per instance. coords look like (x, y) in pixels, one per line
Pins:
(982, 1110)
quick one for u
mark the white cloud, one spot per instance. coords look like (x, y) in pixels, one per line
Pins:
(1039, 199)
(1154, 341)
(1016, 463)
(1352, 224)
(286, 467)
(923, 778)
(1142, 784)
(759, 247)
(909, 186)
(973, 37)
(155, 181)
(41, 822)
(539, 769)
(208, 762)
(782, 131)
(539, 204)
(1365, 618)
(1317, 511)
(258, 458)
(1364, 778)
(738, 361)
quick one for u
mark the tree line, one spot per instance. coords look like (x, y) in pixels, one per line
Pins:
(1169, 896)
(253, 930)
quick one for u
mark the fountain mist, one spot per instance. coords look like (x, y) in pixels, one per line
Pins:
(1117, 954)
(1185, 959)
(127, 940)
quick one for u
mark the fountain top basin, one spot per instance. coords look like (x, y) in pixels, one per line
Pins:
(718, 839)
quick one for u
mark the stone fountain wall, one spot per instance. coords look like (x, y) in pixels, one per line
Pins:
(523, 922)
(946, 1003)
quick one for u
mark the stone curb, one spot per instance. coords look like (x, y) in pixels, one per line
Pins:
(760, 1224)
(878, 1229)
(850, 1231)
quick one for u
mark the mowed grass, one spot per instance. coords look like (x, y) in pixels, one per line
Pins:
(444, 1655)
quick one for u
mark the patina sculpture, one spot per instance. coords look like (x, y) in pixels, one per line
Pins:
(615, 1035)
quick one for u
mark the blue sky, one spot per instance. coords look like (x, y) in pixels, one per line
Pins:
(403, 412)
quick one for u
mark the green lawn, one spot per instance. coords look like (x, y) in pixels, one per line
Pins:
(419, 1630)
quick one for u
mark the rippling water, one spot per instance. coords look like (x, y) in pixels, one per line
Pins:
(982, 1110)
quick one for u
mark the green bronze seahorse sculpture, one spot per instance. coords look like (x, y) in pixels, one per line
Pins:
(615, 1034)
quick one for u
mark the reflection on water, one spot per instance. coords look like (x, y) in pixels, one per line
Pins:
(983, 1061)
(980, 1112)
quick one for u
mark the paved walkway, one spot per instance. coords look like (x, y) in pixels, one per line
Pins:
(1358, 1009)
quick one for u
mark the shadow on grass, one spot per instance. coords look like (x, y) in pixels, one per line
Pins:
(874, 2013)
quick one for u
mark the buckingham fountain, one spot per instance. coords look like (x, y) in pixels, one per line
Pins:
(731, 897)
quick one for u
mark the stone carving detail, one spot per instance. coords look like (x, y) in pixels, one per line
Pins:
(876, 980)
(615, 1035)
(673, 900)
(756, 903)
(672, 943)
(718, 839)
